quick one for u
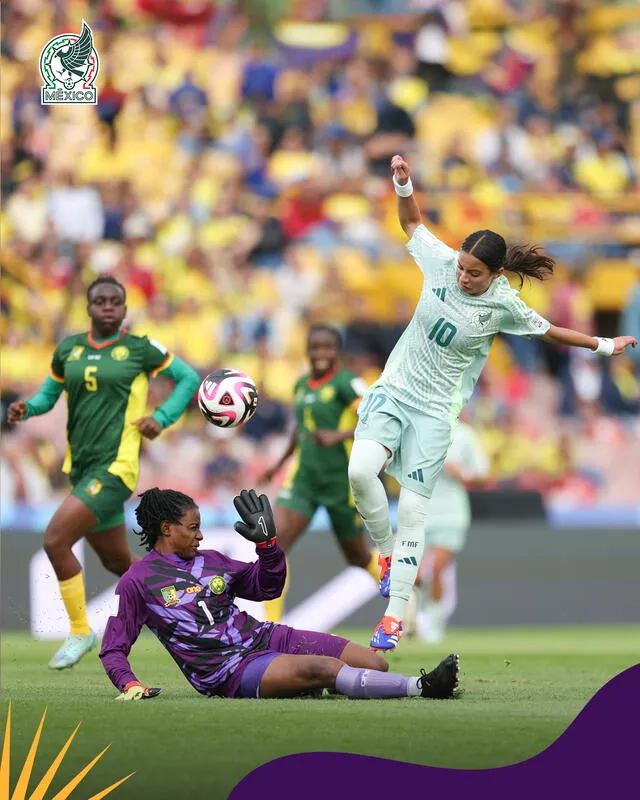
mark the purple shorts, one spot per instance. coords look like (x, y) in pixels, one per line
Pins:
(245, 681)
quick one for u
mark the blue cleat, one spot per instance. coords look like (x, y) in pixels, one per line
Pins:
(386, 635)
(72, 650)
(384, 565)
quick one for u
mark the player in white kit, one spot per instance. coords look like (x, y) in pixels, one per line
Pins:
(407, 416)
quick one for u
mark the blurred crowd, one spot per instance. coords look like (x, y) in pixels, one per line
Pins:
(236, 179)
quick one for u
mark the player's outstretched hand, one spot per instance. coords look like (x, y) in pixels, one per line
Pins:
(135, 691)
(257, 523)
(16, 412)
(620, 344)
(149, 427)
(400, 169)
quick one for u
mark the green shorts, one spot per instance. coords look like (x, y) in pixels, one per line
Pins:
(303, 496)
(418, 443)
(105, 494)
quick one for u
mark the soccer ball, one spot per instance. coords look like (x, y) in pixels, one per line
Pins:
(228, 398)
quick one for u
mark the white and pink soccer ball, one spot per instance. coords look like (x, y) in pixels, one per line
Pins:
(228, 398)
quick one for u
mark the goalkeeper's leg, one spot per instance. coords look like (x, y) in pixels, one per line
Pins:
(291, 675)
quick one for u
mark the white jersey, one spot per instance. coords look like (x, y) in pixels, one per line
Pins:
(438, 359)
(449, 507)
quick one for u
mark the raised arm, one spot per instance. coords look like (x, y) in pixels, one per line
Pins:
(265, 578)
(608, 347)
(408, 210)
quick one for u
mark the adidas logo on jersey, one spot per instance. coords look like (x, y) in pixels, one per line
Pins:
(417, 475)
(410, 560)
(440, 292)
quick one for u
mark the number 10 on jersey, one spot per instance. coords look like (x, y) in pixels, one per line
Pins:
(442, 332)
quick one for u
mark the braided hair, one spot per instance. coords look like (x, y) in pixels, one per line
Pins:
(106, 279)
(157, 506)
(523, 260)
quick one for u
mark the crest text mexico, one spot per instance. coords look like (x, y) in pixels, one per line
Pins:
(69, 66)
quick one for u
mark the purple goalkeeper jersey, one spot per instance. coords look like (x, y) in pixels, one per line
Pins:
(189, 606)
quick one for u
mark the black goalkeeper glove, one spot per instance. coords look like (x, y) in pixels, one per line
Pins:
(257, 523)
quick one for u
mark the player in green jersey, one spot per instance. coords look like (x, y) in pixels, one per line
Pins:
(105, 374)
(408, 416)
(325, 401)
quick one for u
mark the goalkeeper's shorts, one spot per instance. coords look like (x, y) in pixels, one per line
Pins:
(245, 681)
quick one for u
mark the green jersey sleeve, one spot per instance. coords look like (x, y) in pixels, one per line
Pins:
(156, 357)
(351, 388)
(187, 381)
(45, 399)
(57, 365)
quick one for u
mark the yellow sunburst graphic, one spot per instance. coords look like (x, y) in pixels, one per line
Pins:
(21, 787)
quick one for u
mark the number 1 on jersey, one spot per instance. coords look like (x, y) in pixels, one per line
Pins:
(207, 613)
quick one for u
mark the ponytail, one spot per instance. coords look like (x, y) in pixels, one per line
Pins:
(528, 262)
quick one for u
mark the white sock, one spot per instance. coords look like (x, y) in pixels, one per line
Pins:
(413, 688)
(408, 550)
(436, 613)
(365, 464)
(449, 599)
(436, 622)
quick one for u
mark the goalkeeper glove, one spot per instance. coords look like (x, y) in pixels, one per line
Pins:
(257, 518)
(135, 691)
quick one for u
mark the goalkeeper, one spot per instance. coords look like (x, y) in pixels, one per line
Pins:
(187, 599)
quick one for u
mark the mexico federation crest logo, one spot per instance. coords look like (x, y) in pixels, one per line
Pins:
(482, 318)
(169, 595)
(69, 66)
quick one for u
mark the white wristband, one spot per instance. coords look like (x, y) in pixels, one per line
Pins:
(405, 190)
(605, 346)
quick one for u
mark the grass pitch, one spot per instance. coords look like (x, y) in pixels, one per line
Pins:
(522, 688)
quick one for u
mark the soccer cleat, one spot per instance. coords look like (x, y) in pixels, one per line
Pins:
(441, 682)
(386, 634)
(72, 650)
(384, 565)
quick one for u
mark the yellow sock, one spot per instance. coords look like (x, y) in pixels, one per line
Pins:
(74, 600)
(372, 566)
(274, 609)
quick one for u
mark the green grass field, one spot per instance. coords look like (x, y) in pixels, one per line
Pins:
(522, 688)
